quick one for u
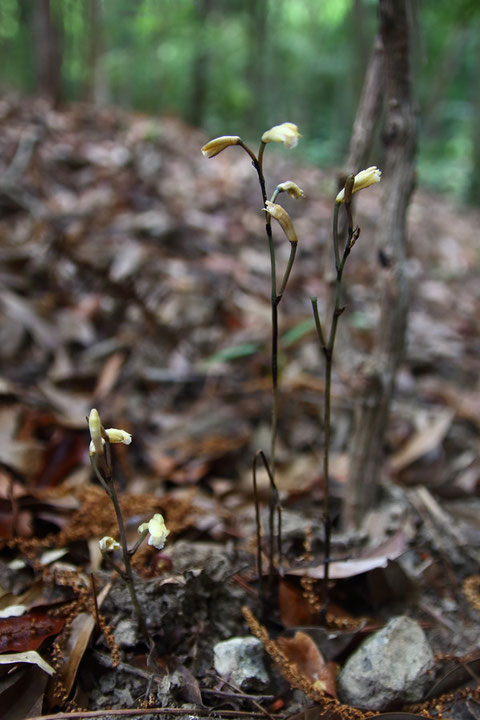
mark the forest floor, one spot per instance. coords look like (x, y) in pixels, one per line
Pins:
(134, 278)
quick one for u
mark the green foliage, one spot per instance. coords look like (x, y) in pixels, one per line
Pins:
(209, 60)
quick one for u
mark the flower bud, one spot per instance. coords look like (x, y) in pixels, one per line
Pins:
(287, 133)
(95, 428)
(281, 215)
(291, 188)
(119, 436)
(362, 180)
(216, 146)
(108, 544)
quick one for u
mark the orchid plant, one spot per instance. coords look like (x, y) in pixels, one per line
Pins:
(288, 134)
(101, 461)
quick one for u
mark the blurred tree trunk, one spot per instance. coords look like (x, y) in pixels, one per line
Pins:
(366, 450)
(257, 111)
(97, 91)
(47, 51)
(474, 190)
(368, 113)
(200, 63)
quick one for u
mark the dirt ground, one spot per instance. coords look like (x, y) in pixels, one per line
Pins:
(134, 278)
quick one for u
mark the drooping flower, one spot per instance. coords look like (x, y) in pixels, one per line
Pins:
(291, 188)
(281, 215)
(287, 133)
(118, 436)
(362, 180)
(108, 544)
(218, 144)
(115, 435)
(157, 529)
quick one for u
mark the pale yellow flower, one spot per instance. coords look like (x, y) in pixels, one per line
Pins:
(118, 436)
(114, 436)
(218, 144)
(291, 188)
(281, 215)
(287, 133)
(95, 428)
(157, 529)
(107, 544)
(362, 180)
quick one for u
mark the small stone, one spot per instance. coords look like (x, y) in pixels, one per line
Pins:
(241, 660)
(126, 633)
(391, 667)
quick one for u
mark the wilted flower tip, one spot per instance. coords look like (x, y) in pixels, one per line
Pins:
(291, 188)
(283, 218)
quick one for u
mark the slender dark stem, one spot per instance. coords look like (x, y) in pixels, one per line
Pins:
(140, 540)
(327, 348)
(259, 529)
(126, 559)
(273, 506)
(336, 241)
(288, 269)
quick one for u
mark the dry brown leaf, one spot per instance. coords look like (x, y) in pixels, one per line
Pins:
(305, 655)
(294, 609)
(424, 441)
(78, 639)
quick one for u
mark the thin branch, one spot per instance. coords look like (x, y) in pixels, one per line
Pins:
(127, 712)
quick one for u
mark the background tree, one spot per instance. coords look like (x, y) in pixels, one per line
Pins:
(47, 51)
(399, 134)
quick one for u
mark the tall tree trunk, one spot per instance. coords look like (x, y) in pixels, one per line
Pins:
(200, 64)
(474, 189)
(47, 51)
(366, 457)
(368, 112)
(257, 111)
(97, 91)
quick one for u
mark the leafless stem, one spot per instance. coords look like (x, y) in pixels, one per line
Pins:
(327, 348)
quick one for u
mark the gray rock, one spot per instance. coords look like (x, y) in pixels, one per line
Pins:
(126, 633)
(241, 660)
(390, 667)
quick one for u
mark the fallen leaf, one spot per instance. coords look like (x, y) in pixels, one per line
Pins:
(423, 441)
(22, 692)
(27, 632)
(305, 655)
(77, 641)
(31, 656)
(294, 609)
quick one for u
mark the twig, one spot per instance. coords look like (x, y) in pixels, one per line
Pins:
(240, 693)
(126, 712)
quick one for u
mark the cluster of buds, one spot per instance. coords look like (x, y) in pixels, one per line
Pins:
(99, 436)
(286, 133)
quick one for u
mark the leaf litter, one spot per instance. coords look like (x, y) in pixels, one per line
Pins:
(134, 278)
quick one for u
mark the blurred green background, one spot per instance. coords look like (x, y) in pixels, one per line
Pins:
(240, 66)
